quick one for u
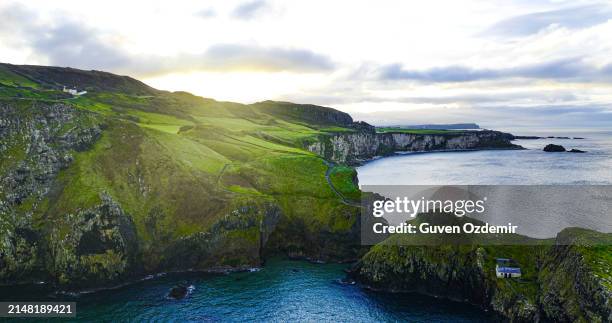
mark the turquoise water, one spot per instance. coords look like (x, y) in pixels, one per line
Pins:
(283, 290)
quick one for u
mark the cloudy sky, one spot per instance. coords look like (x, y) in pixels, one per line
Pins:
(502, 64)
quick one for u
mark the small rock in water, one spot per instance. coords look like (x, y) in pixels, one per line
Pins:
(346, 281)
(178, 291)
(576, 151)
(554, 148)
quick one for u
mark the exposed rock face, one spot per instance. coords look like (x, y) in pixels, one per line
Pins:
(236, 240)
(571, 291)
(101, 246)
(354, 147)
(554, 148)
(45, 139)
(38, 142)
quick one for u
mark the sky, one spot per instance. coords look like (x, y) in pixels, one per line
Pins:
(508, 64)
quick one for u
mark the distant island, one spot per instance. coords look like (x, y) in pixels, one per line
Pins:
(442, 126)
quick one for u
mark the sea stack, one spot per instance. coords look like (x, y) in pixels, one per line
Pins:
(554, 148)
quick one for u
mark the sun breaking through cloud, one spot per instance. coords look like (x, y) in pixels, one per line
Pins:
(475, 61)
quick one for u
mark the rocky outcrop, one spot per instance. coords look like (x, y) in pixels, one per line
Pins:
(550, 148)
(100, 246)
(567, 282)
(354, 147)
(237, 240)
(37, 141)
(575, 278)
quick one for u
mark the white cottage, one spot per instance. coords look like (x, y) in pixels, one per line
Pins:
(506, 269)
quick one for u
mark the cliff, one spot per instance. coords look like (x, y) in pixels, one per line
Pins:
(560, 282)
(127, 181)
(351, 148)
(575, 277)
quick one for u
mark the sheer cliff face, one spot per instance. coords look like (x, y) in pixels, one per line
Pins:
(575, 278)
(37, 142)
(354, 147)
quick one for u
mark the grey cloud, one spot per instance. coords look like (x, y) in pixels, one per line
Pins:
(574, 18)
(497, 98)
(235, 57)
(570, 68)
(71, 43)
(248, 10)
(66, 42)
(230, 56)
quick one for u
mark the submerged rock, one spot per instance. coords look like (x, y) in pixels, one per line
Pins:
(576, 151)
(346, 281)
(554, 148)
(180, 291)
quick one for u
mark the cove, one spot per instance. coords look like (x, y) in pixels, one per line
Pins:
(283, 290)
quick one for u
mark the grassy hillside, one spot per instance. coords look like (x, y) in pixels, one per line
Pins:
(180, 169)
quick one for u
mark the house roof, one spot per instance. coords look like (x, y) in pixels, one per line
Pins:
(509, 270)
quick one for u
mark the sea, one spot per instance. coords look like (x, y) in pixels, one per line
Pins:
(532, 166)
(540, 192)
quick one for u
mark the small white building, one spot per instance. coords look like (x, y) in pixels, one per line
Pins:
(74, 91)
(505, 269)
